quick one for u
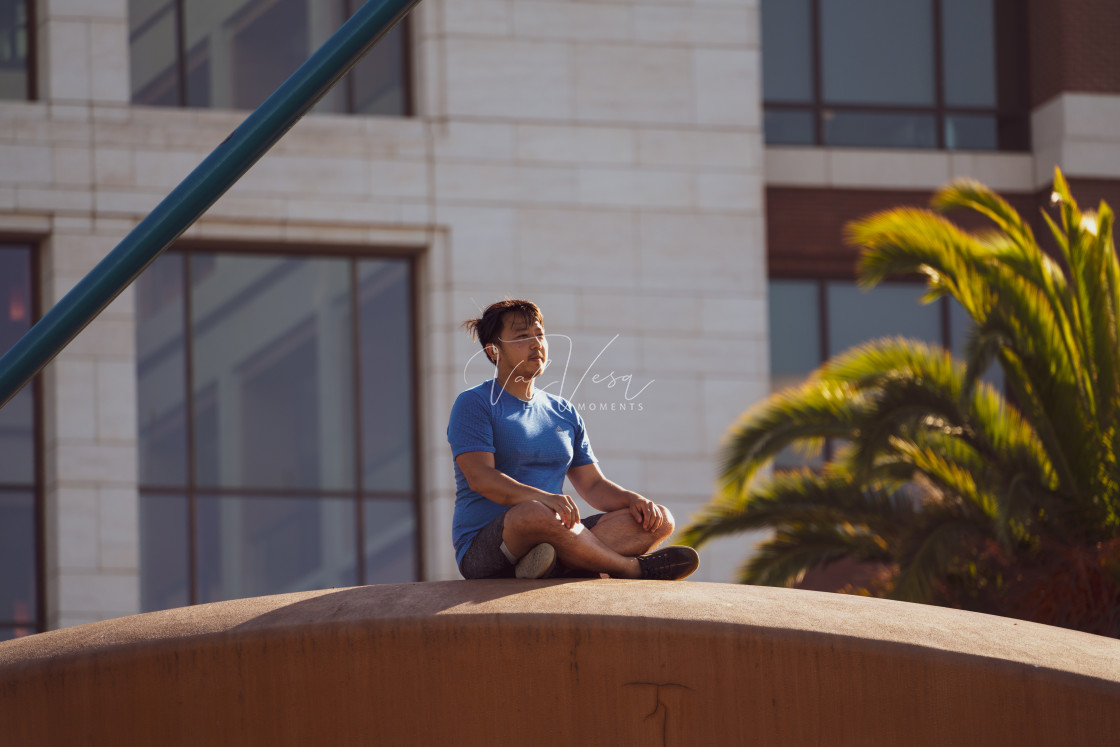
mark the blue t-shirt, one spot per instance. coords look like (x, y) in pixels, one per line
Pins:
(534, 442)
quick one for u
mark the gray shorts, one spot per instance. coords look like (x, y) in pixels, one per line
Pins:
(485, 558)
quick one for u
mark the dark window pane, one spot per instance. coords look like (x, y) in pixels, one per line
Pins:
(880, 130)
(890, 309)
(238, 53)
(164, 558)
(14, 42)
(273, 373)
(153, 34)
(161, 373)
(795, 345)
(786, 127)
(378, 79)
(18, 599)
(877, 52)
(968, 50)
(390, 540)
(17, 418)
(971, 132)
(387, 377)
(256, 546)
(787, 57)
(795, 330)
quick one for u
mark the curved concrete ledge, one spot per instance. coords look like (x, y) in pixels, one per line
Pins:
(560, 662)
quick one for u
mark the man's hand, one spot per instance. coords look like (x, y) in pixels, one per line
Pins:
(564, 507)
(647, 513)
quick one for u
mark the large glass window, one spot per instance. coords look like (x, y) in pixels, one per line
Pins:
(20, 481)
(232, 54)
(895, 73)
(16, 39)
(277, 425)
(813, 320)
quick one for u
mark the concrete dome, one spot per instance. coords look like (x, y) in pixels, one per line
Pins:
(602, 662)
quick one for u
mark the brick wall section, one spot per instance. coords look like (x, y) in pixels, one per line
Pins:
(805, 226)
(1073, 47)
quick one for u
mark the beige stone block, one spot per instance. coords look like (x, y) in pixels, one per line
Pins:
(116, 594)
(26, 222)
(416, 212)
(700, 149)
(1012, 172)
(582, 248)
(797, 166)
(76, 254)
(483, 244)
(718, 355)
(84, 461)
(398, 179)
(68, 116)
(572, 21)
(493, 182)
(851, 167)
(498, 78)
(477, 17)
(692, 25)
(640, 188)
(709, 253)
(633, 83)
(109, 62)
(662, 421)
(1090, 116)
(731, 192)
(364, 212)
(734, 316)
(575, 144)
(7, 202)
(639, 313)
(72, 166)
(130, 202)
(106, 9)
(105, 336)
(727, 87)
(726, 398)
(163, 169)
(475, 141)
(308, 176)
(51, 199)
(65, 45)
(240, 203)
(116, 400)
(25, 164)
(682, 476)
(76, 517)
(596, 371)
(76, 394)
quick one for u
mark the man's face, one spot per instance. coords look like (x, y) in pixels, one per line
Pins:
(523, 347)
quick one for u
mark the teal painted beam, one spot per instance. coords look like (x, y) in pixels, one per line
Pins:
(201, 189)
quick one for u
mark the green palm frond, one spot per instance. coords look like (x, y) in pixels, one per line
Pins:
(785, 558)
(809, 413)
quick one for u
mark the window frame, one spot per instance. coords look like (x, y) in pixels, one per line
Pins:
(38, 486)
(940, 111)
(192, 490)
(183, 62)
(32, 89)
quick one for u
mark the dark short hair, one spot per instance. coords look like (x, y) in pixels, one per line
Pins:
(488, 326)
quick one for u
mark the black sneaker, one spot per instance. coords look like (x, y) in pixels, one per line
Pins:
(671, 564)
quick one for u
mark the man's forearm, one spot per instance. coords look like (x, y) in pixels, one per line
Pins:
(605, 495)
(502, 489)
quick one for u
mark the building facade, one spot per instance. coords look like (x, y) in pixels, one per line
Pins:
(264, 410)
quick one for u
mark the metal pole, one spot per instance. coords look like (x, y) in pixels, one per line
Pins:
(195, 194)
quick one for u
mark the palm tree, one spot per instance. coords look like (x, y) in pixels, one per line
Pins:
(953, 493)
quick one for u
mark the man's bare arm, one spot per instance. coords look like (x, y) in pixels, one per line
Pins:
(487, 480)
(605, 495)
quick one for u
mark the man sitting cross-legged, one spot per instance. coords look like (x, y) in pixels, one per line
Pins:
(513, 445)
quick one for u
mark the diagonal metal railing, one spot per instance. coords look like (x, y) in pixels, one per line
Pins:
(195, 194)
